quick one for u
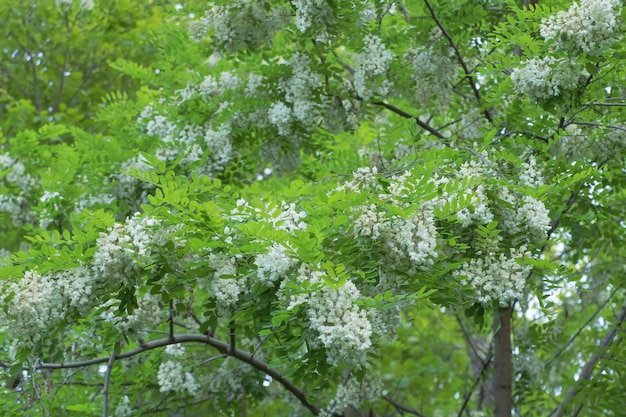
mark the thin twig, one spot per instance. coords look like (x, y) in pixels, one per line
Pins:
(459, 57)
(406, 115)
(575, 335)
(588, 368)
(171, 319)
(595, 124)
(402, 408)
(220, 345)
(232, 338)
(107, 383)
(471, 391)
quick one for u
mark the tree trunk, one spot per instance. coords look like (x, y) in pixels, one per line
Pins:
(503, 363)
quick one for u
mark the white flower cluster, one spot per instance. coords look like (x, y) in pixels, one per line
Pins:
(16, 175)
(279, 115)
(177, 350)
(528, 214)
(434, 71)
(243, 24)
(113, 261)
(18, 208)
(354, 393)
(193, 143)
(497, 277)
(285, 217)
(590, 26)
(36, 304)
(342, 327)
(371, 223)
(145, 316)
(226, 290)
(209, 88)
(531, 174)
(363, 179)
(274, 265)
(76, 285)
(545, 78)
(353, 114)
(373, 61)
(311, 13)
(15, 201)
(171, 377)
(299, 88)
(40, 302)
(124, 409)
(412, 242)
(67, 4)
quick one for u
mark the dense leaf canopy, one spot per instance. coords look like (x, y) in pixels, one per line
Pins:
(312, 207)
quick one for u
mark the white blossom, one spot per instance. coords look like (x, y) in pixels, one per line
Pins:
(175, 350)
(590, 26)
(342, 327)
(412, 241)
(547, 77)
(373, 61)
(531, 176)
(36, 305)
(225, 289)
(273, 265)
(86, 5)
(171, 377)
(497, 277)
(433, 71)
(311, 13)
(124, 409)
(280, 116)
(243, 24)
(299, 88)
(113, 261)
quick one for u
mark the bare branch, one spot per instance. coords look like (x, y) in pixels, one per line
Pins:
(221, 346)
(575, 335)
(402, 408)
(406, 115)
(459, 57)
(107, 382)
(476, 382)
(585, 375)
(595, 124)
(171, 319)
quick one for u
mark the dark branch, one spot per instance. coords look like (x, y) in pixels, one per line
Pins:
(107, 383)
(221, 346)
(585, 375)
(406, 115)
(459, 57)
(402, 408)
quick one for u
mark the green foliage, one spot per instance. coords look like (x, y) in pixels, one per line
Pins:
(292, 208)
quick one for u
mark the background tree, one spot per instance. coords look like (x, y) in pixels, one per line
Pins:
(311, 207)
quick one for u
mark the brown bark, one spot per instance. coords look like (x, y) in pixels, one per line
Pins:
(503, 363)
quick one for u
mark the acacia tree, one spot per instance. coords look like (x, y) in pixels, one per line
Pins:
(330, 208)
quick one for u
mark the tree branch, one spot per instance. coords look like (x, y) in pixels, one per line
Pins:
(588, 368)
(459, 57)
(476, 382)
(402, 408)
(575, 335)
(221, 346)
(107, 382)
(406, 115)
